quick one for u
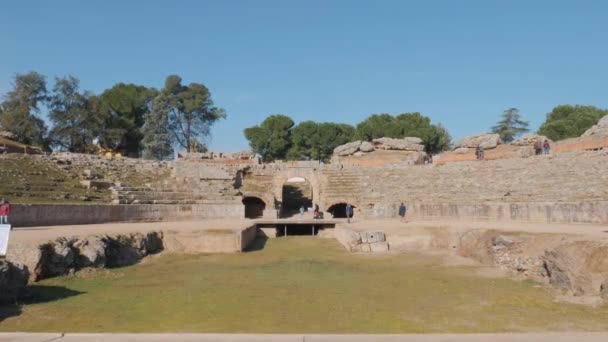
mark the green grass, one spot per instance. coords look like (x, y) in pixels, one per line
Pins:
(27, 179)
(34, 180)
(295, 285)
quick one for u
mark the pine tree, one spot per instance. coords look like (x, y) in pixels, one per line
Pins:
(156, 131)
(20, 109)
(76, 120)
(511, 125)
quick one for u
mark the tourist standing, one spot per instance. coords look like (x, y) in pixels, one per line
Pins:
(5, 211)
(302, 211)
(349, 212)
(538, 147)
(402, 211)
(479, 153)
(546, 147)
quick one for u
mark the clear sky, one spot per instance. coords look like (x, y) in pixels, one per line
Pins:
(462, 63)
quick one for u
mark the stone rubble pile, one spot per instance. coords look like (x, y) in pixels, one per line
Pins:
(599, 130)
(365, 242)
(483, 140)
(107, 171)
(241, 155)
(67, 256)
(409, 144)
(572, 267)
(413, 144)
(7, 135)
(529, 140)
(13, 281)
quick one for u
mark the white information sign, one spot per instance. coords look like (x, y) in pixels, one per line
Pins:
(5, 231)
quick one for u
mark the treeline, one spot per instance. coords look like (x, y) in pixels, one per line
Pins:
(278, 138)
(146, 122)
(128, 118)
(563, 122)
(567, 121)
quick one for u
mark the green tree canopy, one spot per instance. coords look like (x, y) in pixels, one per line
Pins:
(435, 137)
(20, 109)
(190, 112)
(567, 121)
(316, 141)
(375, 126)
(75, 116)
(124, 109)
(157, 135)
(511, 125)
(272, 138)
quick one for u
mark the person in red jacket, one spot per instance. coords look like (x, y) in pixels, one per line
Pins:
(5, 211)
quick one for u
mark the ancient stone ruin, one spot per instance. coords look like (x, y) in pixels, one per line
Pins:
(511, 185)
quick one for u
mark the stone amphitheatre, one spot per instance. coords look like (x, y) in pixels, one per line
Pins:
(516, 220)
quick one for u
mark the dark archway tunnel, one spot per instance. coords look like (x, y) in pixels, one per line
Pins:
(338, 210)
(254, 207)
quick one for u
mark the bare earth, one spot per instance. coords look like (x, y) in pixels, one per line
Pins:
(392, 227)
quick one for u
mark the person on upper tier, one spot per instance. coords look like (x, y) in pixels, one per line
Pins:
(349, 212)
(402, 211)
(546, 147)
(479, 153)
(538, 147)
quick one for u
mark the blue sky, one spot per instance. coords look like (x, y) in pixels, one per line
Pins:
(462, 63)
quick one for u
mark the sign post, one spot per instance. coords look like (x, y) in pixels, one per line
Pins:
(5, 231)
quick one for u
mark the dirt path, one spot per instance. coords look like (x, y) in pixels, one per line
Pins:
(36, 235)
(395, 226)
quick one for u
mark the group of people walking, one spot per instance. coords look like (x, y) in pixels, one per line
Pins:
(349, 211)
(540, 147)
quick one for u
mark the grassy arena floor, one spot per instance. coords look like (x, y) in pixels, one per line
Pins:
(294, 285)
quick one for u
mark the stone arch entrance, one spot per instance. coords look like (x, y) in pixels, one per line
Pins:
(295, 193)
(254, 207)
(338, 210)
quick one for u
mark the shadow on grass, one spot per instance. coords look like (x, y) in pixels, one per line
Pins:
(46, 293)
(9, 310)
(37, 294)
(257, 245)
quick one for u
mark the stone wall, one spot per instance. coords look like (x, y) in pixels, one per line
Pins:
(541, 212)
(563, 185)
(247, 236)
(26, 215)
(69, 254)
(582, 143)
(207, 240)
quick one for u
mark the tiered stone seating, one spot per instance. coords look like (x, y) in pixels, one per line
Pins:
(173, 191)
(342, 185)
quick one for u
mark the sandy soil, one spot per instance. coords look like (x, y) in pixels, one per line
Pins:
(395, 226)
